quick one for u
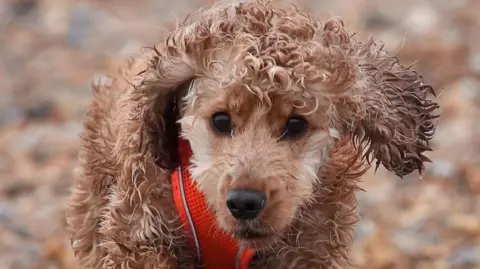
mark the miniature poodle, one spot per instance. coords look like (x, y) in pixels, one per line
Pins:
(239, 141)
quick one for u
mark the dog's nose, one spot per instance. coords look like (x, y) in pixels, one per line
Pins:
(245, 204)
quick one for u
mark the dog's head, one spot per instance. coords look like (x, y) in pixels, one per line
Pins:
(262, 94)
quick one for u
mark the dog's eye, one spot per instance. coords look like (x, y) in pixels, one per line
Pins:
(221, 123)
(296, 127)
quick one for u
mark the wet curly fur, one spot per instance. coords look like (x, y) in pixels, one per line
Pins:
(261, 64)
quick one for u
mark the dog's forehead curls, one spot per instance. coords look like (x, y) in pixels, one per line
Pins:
(283, 51)
(282, 112)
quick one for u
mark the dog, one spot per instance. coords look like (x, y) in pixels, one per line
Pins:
(239, 141)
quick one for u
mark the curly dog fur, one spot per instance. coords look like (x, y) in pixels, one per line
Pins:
(261, 64)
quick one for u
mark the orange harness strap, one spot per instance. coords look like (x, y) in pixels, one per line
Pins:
(214, 248)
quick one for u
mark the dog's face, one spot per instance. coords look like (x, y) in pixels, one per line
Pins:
(272, 90)
(256, 160)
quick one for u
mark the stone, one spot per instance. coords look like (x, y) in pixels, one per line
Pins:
(421, 19)
(465, 256)
(465, 223)
(81, 21)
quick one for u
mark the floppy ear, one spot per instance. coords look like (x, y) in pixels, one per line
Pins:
(159, 129)
(388, 109)
(129, 121)
(149, 109)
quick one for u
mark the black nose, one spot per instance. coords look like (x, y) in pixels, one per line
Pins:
(245, 204)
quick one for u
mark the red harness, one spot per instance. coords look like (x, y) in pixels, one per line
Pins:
(215, 248)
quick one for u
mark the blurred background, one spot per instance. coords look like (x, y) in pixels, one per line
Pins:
(51, 50)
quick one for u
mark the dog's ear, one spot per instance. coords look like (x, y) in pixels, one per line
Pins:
(157, 88)
(157, 83)
(159, 129)
(159, 132)
(388, 109)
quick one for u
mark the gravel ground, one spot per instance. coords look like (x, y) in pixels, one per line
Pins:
(51, 50)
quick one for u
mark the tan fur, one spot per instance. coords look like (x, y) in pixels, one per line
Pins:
(261, 64)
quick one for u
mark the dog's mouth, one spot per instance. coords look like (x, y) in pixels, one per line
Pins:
(250, 238)
(248, 234)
